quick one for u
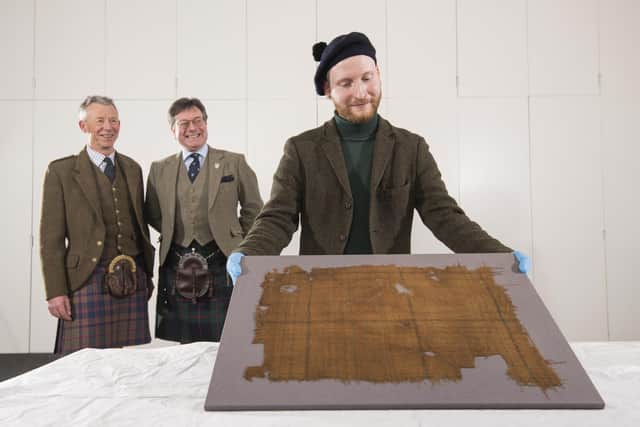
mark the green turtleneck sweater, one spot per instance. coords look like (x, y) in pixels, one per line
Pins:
(357, 141)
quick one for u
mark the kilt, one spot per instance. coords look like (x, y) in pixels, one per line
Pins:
(103, 321)
(180, 319)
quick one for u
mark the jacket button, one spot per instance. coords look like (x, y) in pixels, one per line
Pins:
(347, 205)
(94, 260)
(99, 243)
(342, 237)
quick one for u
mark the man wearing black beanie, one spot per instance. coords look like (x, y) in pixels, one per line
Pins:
(355, 181)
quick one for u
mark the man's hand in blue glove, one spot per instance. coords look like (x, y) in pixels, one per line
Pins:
(524, 262)
(233, 266)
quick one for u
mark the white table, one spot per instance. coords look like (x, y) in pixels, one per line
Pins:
(167, 386)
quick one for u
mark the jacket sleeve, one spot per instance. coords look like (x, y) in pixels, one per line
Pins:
(442, 215)
(152, 212)
(278, 220)
(53, 232)
(248, 195)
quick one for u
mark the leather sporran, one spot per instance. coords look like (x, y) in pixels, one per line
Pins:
(121, 279)
(192, 277)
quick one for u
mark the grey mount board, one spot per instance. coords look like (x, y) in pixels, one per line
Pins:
(483, 387)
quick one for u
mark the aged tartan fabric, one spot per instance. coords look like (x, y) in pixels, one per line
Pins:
(391, 324)
(102, 321)
(179, 319)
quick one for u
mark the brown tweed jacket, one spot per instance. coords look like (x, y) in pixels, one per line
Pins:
(72, 230)
(311, 185)
(231, 181)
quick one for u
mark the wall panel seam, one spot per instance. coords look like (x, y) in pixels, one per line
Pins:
(246, 79)
(104, 35)
(602, 170)
(33, 154)
(176, 77)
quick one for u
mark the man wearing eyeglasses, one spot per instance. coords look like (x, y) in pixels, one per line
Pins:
(192, 200)
(97, 259)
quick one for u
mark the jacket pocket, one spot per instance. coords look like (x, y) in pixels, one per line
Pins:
(391, 193)
(72, 261)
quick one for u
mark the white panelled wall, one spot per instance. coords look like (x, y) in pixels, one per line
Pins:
(531, 108)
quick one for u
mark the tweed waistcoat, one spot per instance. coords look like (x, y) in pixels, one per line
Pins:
(192, 219)
(121, 235)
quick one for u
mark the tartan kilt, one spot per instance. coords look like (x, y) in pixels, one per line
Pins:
(103, 321)
(180, 319)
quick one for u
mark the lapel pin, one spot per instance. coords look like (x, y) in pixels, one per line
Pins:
(216, 165)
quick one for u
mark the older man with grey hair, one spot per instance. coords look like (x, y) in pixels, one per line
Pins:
(97, 259)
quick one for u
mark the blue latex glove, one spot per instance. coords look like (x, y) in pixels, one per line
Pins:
(233, 266)
(524, 262)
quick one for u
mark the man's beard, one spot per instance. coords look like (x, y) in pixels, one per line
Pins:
(346, 113)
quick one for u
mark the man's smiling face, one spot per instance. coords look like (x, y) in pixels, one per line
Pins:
(354, 86)
(190, 129)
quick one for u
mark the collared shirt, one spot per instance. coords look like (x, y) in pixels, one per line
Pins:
(186, 153)
(98, 158)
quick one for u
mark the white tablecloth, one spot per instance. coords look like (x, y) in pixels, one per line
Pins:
(167, 386)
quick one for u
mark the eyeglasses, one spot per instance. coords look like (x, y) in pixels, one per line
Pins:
(184, 124)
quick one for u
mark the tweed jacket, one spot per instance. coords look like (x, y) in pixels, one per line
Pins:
(311, 186)
(231, 181)
(72, 230)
